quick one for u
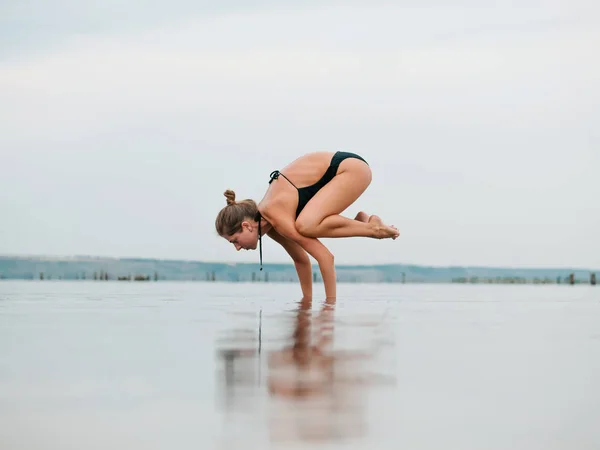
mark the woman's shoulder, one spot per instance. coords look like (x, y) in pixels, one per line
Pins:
(270, 208)
(277, 208)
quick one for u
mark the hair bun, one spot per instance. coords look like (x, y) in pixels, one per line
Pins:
(230, 196)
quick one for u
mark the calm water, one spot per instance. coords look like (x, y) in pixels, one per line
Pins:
(106, 365)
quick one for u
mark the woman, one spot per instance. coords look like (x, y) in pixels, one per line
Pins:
(303, 206)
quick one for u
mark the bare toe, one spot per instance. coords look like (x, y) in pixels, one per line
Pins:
(383, 231)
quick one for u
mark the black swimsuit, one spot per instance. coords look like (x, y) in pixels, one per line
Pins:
(308, 192)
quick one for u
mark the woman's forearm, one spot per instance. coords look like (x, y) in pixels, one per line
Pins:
(318, 251)
(327, 267)
(304, 270)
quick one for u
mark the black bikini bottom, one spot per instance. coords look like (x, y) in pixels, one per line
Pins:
(308, 192)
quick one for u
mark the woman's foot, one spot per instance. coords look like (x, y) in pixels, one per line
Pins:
(383, 231)
(362, 217)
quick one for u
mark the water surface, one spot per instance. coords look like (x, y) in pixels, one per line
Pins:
(100, 365)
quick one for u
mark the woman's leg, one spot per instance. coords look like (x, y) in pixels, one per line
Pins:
(320, 217)
(336, 226)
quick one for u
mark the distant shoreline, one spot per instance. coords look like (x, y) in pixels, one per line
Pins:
(147, 269)
(94, 258)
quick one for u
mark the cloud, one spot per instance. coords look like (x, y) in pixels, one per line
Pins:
(485, 116)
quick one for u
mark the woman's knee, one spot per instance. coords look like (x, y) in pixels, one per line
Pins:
(306, 226)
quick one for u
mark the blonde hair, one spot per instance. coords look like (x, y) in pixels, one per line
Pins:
(230, 218)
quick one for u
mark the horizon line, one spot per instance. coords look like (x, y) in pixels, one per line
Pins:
(123, 258)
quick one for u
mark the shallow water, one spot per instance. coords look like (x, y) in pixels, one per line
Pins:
(100, 365)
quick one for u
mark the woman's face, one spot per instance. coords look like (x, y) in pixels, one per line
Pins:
(246, 238)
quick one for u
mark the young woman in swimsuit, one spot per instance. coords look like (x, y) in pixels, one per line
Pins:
(302, 207)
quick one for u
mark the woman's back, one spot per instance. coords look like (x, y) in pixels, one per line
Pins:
(307, 169)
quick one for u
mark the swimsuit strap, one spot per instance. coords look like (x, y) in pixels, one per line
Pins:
(275, 174)
(258, 218)
(260, 243)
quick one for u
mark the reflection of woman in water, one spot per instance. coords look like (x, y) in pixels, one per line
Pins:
(307, 354)
(315, 391)
(303, 207)
(319, 398)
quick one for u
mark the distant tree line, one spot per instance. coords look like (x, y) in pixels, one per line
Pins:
(102, 276)
(569, 279)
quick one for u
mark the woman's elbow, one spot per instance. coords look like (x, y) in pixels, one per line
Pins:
(326, 258)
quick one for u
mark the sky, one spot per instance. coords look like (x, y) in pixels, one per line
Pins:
(122, 124)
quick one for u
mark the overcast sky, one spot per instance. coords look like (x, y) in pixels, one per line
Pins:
(122, 123)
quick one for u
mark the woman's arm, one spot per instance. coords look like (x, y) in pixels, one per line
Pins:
(314, 247)
(301, 261)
